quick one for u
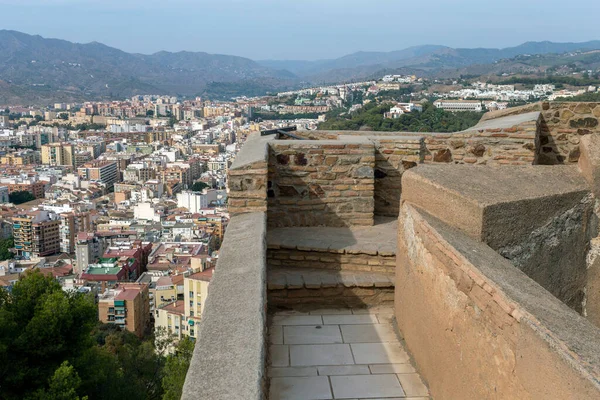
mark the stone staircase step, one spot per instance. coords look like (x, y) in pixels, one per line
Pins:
(379, 239)
(299, 278)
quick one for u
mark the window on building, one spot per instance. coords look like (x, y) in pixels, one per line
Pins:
(191, 332)
(191, 293)
(191, 313)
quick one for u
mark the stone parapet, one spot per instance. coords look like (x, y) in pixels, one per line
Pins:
(321, 183)
(486, 319)
(564, 124)
(393, 156)
(230, 355)
(536, 216)
(248, 177)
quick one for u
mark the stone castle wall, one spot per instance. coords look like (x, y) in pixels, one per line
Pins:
(248, 188)
(514, 145)
(540, 133)
(321, 183)
(486, 319)
(563, 123)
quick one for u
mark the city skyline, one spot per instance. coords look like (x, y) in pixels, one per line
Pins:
(308, 31)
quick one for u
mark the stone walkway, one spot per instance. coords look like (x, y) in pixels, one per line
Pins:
(380, 238)
(339, 354)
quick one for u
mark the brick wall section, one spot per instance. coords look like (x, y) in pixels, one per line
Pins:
(248, 188)
(349, 260)
(334, 297)
(321, 183)
(564, 124)
(492, 146)
(393, 156)
(476, 329)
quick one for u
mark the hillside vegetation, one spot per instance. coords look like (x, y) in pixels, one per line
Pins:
(432, 119)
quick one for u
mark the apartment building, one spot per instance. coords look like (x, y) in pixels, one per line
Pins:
(24, 157)
(36, 233)
(99, 170)
(167, 256)
(70, 224)
(111, 271)
(58, 154)
(459, 105)
(181, 318)
(178, 173)
(36, 188)
(89, 248)
(126, 305)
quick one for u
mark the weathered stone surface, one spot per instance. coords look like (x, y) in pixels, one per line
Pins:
(587, 122)
(589, 161)
(329, 183)
(234, 319)
(499, 206)
(505, 329)
(478, 150)
(443, 156)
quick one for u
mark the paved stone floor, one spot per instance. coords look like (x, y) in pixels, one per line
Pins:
(339, 354)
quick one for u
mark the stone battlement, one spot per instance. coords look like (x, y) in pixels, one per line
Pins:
(487, 246)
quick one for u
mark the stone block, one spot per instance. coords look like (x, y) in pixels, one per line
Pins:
(499, 206)
(589, 161)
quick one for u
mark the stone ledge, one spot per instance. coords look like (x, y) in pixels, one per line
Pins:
(376, 240)
(508, 121)
(494, 204)
(299, 278)
(229, 358)
(254, 150)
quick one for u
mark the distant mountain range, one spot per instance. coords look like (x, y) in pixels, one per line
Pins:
(35, 69)
(425, 58)
(38, 70)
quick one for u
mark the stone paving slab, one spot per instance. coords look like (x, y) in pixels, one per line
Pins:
(369, 386)
(369, 361)
(377, 239)
(309, 278)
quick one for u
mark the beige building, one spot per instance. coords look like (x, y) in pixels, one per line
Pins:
(180, 318)
(128, 306)
(25, 157)
(58, 154)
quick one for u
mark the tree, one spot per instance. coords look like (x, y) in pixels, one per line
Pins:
(6, 244)
(198, 186)
(63, 385)
(176, 369)
(42, 326)
(20, 196)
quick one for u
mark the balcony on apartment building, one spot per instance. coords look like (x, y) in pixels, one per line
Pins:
(363, 265)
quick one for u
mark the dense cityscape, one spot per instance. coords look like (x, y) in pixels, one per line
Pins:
(125, 202)
(374, 225)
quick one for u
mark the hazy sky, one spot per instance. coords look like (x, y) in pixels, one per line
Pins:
(301, 29)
